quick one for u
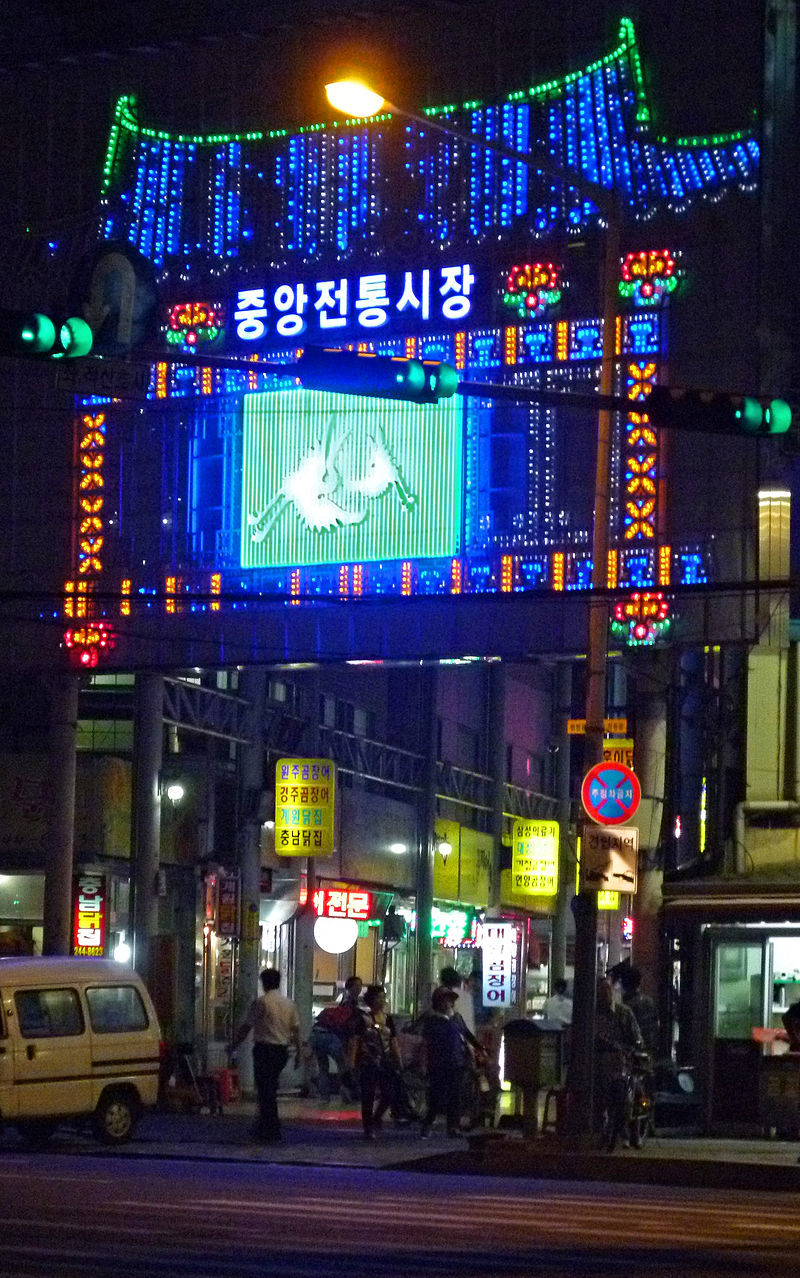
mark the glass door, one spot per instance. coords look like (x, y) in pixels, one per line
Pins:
(739, 987)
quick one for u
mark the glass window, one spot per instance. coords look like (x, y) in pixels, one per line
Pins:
(48, 1013)
(116, 1009)
(739, 1003)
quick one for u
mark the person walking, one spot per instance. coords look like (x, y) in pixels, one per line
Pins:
(643, 1008)
(558, 1007)
(275, 1025)
(376, 1054)
(445, 1061)
(330, 1040)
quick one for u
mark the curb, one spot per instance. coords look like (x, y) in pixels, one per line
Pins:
(516, 1159)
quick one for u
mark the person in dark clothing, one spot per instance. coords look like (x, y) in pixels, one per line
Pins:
(376, 1057)
(446, 1059)
(642, 1006)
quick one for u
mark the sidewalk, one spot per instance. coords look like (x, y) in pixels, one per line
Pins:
(329, 1135)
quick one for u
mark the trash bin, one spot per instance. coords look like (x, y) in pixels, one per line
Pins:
(533, 1053)
(532, 1060)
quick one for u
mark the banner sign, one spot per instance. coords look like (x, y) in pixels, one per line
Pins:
(89, 915)
(304, 807)
(328, 311)
(501, 944)
(534, 858)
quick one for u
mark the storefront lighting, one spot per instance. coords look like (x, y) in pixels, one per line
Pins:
(335, 936)
(175, 792)
(445, 848)
(122, 951)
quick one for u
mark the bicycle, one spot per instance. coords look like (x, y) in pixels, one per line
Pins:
(626, 1094)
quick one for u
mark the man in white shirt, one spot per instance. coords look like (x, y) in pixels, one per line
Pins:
(276, 1027)
(558, 1007)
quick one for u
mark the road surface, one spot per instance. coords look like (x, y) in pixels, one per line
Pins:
(91, 1216)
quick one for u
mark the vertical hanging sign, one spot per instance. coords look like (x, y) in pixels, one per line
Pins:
(89, 915)
(228, 905)
(500, 943)
(305, 791)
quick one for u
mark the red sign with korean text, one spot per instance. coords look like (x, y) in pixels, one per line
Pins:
(89, 915)
(344, 903)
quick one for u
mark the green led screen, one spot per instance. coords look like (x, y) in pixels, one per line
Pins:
(330, 478)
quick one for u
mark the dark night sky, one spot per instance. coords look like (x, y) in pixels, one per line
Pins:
(702, 57)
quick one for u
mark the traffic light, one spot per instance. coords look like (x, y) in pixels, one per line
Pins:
(386, 376)
(33, 335)
(720, 414)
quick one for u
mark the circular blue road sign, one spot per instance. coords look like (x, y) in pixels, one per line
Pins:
(611, 793)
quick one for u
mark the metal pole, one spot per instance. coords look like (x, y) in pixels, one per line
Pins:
(497, 771)
(426, 819)
(146, 813)
(581, 1074)
(61, 823)
(253, 687)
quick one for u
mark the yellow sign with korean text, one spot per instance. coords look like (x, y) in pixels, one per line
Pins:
(618, 727)
(305, 799)
(534, 858)
(618, 750)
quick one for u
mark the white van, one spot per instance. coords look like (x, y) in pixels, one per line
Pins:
(79, 1038)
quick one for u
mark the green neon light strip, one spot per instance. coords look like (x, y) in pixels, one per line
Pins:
(317, 479)
(125, 115)
(126, 118)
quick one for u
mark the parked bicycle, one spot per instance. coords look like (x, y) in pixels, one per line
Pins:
(625, 1101)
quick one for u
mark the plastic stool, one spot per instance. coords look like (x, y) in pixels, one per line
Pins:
(228, 1080)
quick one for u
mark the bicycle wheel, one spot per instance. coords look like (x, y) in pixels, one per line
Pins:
(413, 1094)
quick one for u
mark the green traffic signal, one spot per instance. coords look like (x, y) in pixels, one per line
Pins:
(717, 413)
(75, 337)
(34, 335)
(38, 333)
(384, 376)
(774, 418)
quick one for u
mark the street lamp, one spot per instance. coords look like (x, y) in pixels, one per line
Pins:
(359, 101)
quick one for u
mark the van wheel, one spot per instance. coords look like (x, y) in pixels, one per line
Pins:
(36, 1132)
(115, 1117)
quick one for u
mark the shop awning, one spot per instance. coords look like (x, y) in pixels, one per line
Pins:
(746, 901)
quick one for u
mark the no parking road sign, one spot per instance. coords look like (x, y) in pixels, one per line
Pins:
(610, 793)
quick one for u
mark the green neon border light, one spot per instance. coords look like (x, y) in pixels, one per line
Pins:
(338, 479)
(126, 115)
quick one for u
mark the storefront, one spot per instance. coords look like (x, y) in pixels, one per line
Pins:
(734, 963)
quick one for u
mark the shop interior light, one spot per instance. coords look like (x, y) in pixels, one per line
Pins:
(122, 951)
(445, 849)
(397, 848)
(175, 792)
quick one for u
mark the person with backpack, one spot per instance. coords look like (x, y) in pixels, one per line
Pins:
(330, 1037)
(377, 1061)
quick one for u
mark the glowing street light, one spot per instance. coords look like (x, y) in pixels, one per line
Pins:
(355, 98)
